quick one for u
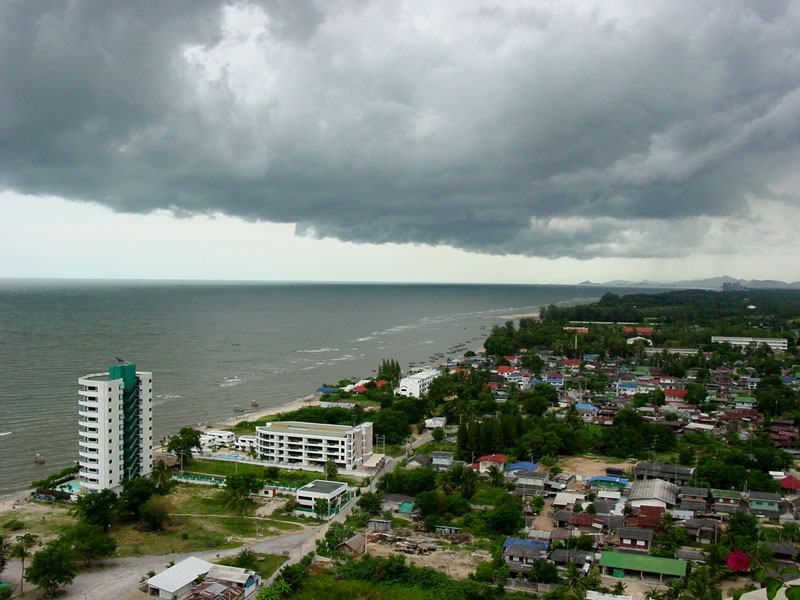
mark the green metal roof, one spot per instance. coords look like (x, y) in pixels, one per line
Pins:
(406, 508)
(726, 494)
(648, 564)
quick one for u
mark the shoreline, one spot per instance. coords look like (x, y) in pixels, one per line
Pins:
(310, 400)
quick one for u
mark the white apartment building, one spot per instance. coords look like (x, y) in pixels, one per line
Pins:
(417, 385)
(779, 344)
(313, 444)
(115, 418)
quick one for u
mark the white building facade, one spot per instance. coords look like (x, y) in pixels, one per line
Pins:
(417, 385)
(313, 444)
(778, 344)
(335, 492)
(115, 418)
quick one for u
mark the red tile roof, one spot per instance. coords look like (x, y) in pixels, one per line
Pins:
(497, 458)
(505, 369)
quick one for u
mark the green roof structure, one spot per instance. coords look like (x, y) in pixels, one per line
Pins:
(406, 508)
(726, 494)
(646, 564)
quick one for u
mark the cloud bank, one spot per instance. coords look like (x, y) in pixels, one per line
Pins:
(576, 129)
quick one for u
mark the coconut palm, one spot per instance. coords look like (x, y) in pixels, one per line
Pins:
(161, 475)
(21, 549)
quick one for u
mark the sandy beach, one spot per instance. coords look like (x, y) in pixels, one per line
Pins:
(312, 400)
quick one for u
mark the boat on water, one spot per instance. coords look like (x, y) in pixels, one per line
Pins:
(237, 408)
(2, 433)
(38, 459)
(253, 403)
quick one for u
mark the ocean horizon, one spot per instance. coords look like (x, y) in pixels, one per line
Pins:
(214, 344)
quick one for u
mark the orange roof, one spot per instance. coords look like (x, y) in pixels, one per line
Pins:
(497, 458)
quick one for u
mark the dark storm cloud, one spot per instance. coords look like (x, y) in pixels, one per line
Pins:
(545, 129)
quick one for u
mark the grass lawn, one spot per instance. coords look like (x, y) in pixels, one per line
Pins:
(267, 563)
(205, 466)
(45, 519)
(394, 450)
(202, 500)
(488, 495)
(325, 586)
(435, 447)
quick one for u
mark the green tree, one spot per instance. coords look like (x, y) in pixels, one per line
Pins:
(543, 572)
(742, 532)
(331, 470)
(21, 550)
(701, 586)
(507, 517)
(5, 551)
(238, 489)
(96, 508)
(438, 434)
(369, 502)
(247, 559)
(335, 535)
(135, 493)
(161, 476)
(155, 512)
(52, 567)
(495, 476)
(321, 508)
(90, 542)
(182, 444)
(695, 393)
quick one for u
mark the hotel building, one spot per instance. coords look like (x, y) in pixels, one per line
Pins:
(417, 385)
(115, 416)
(308, 444)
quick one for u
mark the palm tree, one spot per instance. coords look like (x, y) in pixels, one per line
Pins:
(20, 549)
(161, 474)
(495, 476)
(468, 483)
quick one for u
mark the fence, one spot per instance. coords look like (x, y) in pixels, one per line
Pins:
(285, 488)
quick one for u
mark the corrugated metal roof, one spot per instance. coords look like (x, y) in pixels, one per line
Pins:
(648, 564)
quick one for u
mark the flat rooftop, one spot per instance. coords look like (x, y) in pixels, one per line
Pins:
(96, 377)
(300, 428)
(321, 486)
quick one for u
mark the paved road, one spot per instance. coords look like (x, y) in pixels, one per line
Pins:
(119, 576)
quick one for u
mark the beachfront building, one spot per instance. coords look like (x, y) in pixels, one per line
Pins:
(313, 444)
(115, 417)
(416, 385)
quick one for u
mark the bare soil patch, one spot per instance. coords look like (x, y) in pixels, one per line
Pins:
(457, 564)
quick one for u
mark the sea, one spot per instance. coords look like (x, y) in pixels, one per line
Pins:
(214, 345)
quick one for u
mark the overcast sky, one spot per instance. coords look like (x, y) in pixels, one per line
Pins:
(523, 142)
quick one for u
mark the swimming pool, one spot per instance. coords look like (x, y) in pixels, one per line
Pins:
(71, 487)
(230, 456)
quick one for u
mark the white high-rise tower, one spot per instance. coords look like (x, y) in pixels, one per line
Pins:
(116, 427)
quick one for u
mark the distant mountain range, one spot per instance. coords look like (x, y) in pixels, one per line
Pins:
(713, 283)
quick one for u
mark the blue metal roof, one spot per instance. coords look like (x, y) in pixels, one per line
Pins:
(520, 542)
(609, 478)
(326, 390)
(586, 406)
(522, 466)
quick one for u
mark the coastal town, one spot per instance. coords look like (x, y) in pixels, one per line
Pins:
(615, 451)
